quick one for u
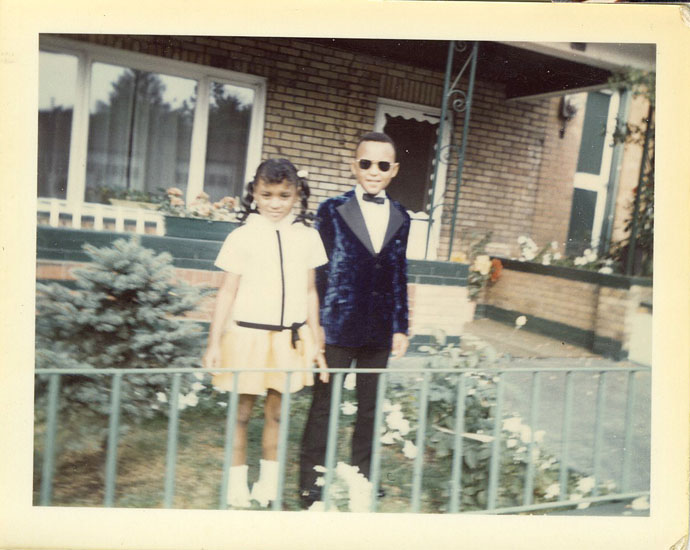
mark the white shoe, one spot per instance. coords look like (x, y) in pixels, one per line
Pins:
(265, 489)
(238, 490)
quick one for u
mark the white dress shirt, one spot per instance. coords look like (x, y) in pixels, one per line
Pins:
(375, 216)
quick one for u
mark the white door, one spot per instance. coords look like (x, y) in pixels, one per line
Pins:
(414, 129)
(593, 170)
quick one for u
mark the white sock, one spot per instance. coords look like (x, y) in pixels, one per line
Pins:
(238, 490)
(266, 488)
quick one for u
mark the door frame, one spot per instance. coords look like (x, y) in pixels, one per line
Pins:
(421, 113)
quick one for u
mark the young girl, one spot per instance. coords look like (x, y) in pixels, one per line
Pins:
(266, 315)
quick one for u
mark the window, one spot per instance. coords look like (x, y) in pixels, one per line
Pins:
(111, 120)
(58, 80)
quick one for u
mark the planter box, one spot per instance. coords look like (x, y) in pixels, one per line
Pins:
(195, 228)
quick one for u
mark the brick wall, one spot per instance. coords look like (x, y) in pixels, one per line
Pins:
(573, 303)
(320, 100)
(600, 312)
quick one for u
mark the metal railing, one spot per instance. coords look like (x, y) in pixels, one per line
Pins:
(422, 375)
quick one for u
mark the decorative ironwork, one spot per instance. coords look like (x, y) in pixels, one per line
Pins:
(461, 102)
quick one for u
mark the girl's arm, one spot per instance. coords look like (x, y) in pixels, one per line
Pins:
(315, 326)
(225, 300)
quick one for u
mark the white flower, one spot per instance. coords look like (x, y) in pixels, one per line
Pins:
(554, 245)
(580, 260)
(482, 264)
(557, 256)
(526, 433)
(471, 391)
(529, 255)
(197, 386)
(199, 375)
(320, 469)
(320, 481)
(222, 404)
(395, 419)
(302, 174)
(576, 496)
(387, 438)
(348, 407)
(552, 491)
(585, 485)
(350, 381)
(640, 503)
(162, 397)
(511, 443)
(522, 239)
(606, 270)
(410, 449)
(583, 505)
(546, 260)
(513, 424)
(520, 321)
(189, 400)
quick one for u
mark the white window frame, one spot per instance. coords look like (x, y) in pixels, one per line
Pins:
(87, 54)
(420, 220)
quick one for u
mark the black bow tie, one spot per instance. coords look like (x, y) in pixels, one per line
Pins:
(373, 198)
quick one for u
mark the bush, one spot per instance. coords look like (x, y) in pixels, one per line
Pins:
(127, 312)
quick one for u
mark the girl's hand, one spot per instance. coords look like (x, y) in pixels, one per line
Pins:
(211, 358)
(323, 367)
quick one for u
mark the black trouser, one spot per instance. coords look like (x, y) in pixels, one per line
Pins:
(315, 435)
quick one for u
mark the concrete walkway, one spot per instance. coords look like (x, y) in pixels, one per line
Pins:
(521, 348)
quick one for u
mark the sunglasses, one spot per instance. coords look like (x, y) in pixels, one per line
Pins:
(383, 165)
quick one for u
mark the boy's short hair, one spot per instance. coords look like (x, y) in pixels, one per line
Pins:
(376, 136)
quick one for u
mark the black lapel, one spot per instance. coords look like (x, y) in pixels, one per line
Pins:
(352, 214)
(394, 222)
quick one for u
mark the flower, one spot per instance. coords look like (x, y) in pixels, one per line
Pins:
(511, 443)
(513, 424)
(320, 469)
(640, 503)
(585, 485)
(606, 270)
(520, 321)
(302, 174)
(197, 386)
(350, 381)
(496, 268)
(387, 438)
(201, 207)
(320, 481)
(410, 449)
(348, 407)
(552, 491)
(162, 397)
(482, 264)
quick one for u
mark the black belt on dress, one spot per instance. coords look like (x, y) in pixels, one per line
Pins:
(293, 328)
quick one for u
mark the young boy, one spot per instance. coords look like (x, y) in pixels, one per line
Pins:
(363, 297)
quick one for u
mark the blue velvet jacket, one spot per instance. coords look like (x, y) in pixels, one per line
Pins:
(363, 295)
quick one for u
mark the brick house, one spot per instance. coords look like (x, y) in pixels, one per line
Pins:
(534, 156)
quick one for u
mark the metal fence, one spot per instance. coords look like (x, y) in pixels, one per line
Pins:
(422, 376)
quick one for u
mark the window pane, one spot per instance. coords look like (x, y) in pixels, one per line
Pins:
(230, 111)
(593, 133)
(57, 88)
(140, 130)
(581, 221)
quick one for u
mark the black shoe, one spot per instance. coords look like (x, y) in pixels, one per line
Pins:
(380, 493)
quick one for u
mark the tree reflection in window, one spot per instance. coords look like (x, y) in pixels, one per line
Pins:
(140, 130)
(230, 110)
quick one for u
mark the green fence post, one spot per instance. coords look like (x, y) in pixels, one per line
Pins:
(49, 446)
(172, 442)
(113, 435)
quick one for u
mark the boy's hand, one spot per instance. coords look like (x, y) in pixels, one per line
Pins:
(323, 367)
(400, 343)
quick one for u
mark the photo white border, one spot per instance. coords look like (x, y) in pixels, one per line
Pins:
(24, 526)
